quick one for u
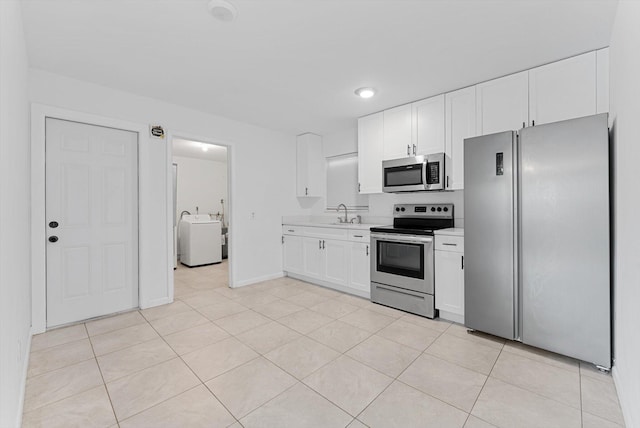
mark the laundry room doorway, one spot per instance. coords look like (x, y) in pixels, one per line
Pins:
(201, 211)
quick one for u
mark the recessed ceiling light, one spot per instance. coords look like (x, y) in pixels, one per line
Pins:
(222, 10)
(365, 92)
(205, 148)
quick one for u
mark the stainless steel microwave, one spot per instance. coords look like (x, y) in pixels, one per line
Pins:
(415, 174)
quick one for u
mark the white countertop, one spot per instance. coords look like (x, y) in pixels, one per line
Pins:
(455, 231)
(362, 226)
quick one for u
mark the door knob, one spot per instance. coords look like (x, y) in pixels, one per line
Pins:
(53, 224)
(53, 239)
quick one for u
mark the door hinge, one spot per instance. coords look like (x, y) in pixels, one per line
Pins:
(283, 239)
(367, 250)
(358, 187)
(414, 149)
(306, 191)
(408, 150)
(533, 123)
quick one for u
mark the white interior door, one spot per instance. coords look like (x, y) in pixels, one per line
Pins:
(92, 210)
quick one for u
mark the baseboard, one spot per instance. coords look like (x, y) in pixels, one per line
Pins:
(348, 290)
(626, 404)
(156, 302)
(23, 383)
(257, 279)
(449, 316)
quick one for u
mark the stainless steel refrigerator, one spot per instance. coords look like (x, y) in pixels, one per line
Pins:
(536, 214)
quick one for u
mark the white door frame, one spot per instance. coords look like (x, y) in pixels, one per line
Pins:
(230, 189)
(39, 113)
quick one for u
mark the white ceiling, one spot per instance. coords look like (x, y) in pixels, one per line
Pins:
(193, 149)
(292, 65)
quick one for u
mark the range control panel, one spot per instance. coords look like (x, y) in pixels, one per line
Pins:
(423, 210)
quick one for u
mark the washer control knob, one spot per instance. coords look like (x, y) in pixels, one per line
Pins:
(397, 209)
(402, 209)
(433, 209)
(439, 209)
(445, 209)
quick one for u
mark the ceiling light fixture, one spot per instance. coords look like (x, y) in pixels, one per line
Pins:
(205, 148)
(365, 92)
(222, 10)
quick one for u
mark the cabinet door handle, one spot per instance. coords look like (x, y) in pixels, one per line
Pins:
(323, 244)
(367, 250)
(290, 230)
(319, 244)
(414, 149)
(452, 245)
(447, 181)
(524, 125)
(462, 262)
(533, 123)
(357, 236)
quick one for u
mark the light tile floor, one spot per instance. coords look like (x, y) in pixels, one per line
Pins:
(284, 353)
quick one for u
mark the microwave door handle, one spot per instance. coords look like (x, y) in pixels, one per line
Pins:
(425, 166)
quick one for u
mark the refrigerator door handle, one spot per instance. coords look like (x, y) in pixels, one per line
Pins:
(517, 247)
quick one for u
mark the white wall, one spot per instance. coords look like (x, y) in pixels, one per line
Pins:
(201, 183)
(625, 111)
(262, 164)
(15, 279)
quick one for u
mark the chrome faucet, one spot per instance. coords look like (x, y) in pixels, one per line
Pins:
(346, 219)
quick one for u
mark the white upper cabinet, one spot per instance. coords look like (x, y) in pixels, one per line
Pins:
(309, 165)
(398, 142)
(563, 90)
(602, 80)
(370, 141)
(503, 104)
(428, 126)
(460, 115)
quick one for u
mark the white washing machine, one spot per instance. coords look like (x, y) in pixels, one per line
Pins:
(200, 240)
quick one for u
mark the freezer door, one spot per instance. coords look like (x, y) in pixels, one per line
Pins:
(565, 238)
(489, 273)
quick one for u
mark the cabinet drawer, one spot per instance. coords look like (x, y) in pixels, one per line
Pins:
(326, 232)
(359, 236)
(450, 243)
(292, 230)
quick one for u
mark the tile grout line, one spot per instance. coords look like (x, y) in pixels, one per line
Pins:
(67, 366)
(104, 384)
(197, 377)
(485, 384)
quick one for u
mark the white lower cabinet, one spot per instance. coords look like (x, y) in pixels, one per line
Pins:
(339, 260)
(292, 254)
(311, 254)
(336, 261)
(449, 270)
(360, 277)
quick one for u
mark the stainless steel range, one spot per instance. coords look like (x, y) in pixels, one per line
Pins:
(402, 274)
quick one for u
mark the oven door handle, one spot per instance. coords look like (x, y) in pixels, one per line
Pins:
(402, 238)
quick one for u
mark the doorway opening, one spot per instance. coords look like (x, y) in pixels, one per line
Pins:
(201, 216)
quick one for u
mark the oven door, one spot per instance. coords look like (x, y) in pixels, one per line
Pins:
(403, 261)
